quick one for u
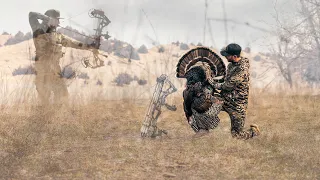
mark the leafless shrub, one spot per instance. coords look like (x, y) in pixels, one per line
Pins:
(253, 74)
(68, 72)
(161, 49)
(143, 49)
(142, 82)
(184, 46)
(27, 36)
(312, 73)
(127, 52)
(257, 58)
(135, 78)
(83, 76)
(175, 55)
(126, 79)
(123, 79)
(99, 82)
(117, 45)
(176, 43)
(24, 71)
(5, 33)
(18, 38)
(247, 50)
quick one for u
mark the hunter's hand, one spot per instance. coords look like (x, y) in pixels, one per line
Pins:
(190, 119)
(215, 83)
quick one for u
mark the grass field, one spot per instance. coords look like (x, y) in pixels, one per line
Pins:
(102, 140)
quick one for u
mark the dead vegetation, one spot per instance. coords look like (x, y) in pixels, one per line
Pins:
(28, 70)
(101, 140)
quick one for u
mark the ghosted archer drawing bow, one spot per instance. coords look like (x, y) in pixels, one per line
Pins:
(149, 127)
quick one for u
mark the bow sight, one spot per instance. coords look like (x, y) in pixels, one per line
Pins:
(103, 22)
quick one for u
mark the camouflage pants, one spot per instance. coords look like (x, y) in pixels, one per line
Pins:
(237, 112)
(48, 79)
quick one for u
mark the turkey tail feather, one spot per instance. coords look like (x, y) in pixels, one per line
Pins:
(200, 54)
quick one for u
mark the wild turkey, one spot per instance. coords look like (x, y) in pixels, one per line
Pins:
(202, 103)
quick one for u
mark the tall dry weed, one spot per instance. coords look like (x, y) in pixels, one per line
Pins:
(101, 139)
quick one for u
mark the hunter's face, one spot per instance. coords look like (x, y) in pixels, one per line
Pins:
(231, 58)
(56, 23)
(53, 23)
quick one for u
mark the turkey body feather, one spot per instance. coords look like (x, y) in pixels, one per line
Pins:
(202, 103)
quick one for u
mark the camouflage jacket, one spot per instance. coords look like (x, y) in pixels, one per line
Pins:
(49, 43)
(236, 85)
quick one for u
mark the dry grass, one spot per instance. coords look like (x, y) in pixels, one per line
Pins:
(102, 141)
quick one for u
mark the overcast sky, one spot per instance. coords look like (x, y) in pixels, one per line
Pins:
(172, 20)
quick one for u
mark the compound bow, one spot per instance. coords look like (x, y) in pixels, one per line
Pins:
(149, 127)
(103, 21)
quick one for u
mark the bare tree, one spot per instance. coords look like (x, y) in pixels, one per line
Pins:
(298, 43)
(311, 12)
